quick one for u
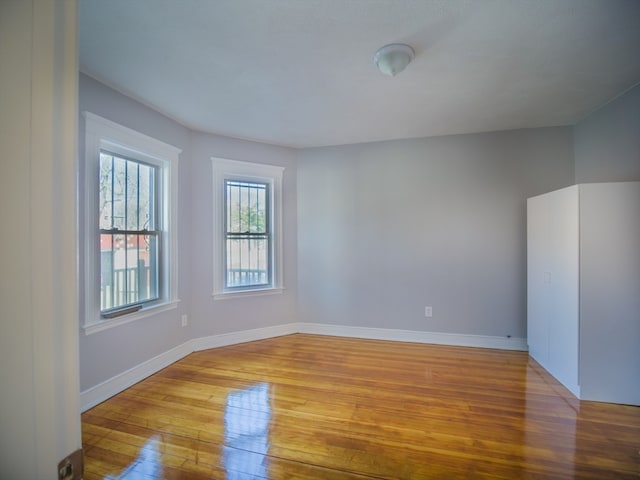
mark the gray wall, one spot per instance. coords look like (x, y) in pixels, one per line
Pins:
(610, 292)
(607, 142)
(110, 352)
(373, 232)
(385, 229)
(209, 316)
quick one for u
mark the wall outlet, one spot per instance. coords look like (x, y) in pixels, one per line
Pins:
(428, 312)
(185, 320)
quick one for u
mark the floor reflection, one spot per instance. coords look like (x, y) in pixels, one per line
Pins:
(545, 412)
(246, 420)
(148, 464)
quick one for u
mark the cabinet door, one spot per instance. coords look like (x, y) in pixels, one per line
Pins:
(553, 282)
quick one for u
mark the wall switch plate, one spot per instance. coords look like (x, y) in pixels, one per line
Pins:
(184, 319)
(428, 312)
(71, 467)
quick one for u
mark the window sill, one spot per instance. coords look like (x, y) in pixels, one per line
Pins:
(101, 325)
(258, 292)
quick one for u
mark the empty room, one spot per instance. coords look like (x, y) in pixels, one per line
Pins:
(321, 239)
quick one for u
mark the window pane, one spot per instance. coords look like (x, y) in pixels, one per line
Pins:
(118, 204)
(128, 269)
(106, 190)
(146, 189)
(127, 194)
(247, 262)
(132, 199)
(246, 207)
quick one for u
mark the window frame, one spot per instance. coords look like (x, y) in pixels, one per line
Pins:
(223, 170)
(104, 135)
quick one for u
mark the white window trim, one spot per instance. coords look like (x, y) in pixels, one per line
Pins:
(271, 174)
(101, 133)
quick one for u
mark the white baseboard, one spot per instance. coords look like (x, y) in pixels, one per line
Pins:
(99, 393)
(233, 338)
(454, 339)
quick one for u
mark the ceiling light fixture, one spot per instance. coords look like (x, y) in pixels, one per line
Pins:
(394, 58)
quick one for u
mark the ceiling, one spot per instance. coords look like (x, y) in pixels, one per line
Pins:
(300, 72)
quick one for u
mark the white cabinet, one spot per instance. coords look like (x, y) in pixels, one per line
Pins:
(583, 288)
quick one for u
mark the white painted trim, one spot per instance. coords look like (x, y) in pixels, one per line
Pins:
(99, 393)
(438, 338)
(95, 395)
(145, 312)
(42, 412)
(258, 292)
(233, 338)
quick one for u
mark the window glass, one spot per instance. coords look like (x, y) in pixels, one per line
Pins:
(247, 234)
(129, 242)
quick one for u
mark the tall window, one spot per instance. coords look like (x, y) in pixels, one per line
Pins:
(130, 212)
(130, 237)
(248, 251)
(247, 228)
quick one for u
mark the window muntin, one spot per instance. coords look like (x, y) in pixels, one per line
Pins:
(130, 237)
(247, 234)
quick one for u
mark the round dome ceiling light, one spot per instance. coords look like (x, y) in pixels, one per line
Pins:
(393, 58)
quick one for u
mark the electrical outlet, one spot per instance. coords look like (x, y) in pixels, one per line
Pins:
(71, 467)
(185, 320)
(428, 312)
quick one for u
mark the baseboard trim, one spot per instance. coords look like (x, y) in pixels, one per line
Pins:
(101, 392)
(454, 339)
(233, 338)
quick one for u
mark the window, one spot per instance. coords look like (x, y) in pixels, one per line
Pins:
(247, 252)
(130, 216)
(129, 235)
(247, 228)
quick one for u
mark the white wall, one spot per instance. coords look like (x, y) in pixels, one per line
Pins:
(39, 402)
(385, 229)
(607, 142)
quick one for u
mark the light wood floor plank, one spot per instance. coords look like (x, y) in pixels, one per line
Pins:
(318, 407)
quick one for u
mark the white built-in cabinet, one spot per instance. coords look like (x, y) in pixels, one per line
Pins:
(583, 288)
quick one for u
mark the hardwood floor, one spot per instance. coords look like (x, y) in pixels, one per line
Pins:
(316, 407)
